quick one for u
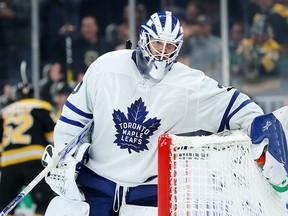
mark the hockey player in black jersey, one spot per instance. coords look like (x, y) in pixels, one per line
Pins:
(26, 127)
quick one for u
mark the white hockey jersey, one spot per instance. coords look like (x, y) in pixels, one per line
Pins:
(130, 113)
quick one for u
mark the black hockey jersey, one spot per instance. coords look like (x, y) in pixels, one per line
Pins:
(26, 128)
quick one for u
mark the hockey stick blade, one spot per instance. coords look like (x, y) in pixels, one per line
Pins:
(23, 69)
(55, 160)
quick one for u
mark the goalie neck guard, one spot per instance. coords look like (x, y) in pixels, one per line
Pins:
(160, 40)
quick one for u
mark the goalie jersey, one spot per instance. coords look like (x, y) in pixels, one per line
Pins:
(131, 112)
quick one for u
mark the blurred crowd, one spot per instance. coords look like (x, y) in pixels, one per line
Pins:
(73, 33)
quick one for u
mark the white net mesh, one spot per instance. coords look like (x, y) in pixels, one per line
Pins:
(216, 176)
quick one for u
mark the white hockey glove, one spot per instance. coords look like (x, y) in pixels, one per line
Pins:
(268, 134)
(62, 178)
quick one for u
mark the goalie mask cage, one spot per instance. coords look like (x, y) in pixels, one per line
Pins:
(213, 176)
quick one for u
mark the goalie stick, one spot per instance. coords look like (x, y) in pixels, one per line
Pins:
(55, 160)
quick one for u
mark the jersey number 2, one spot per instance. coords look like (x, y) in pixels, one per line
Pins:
(16, 134)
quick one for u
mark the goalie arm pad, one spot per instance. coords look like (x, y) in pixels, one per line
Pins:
(61, 206)
(268, 134)
(62, 178)
(132, 210)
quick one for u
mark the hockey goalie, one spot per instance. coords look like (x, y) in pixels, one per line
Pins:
(134, 96)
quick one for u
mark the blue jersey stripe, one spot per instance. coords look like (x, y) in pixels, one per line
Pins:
(224, 119)
(235, 111)
(71, 122)
(78, 111)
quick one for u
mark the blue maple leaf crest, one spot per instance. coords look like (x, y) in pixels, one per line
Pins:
(133, 131)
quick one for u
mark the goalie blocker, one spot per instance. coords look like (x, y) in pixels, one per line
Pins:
(269, 136)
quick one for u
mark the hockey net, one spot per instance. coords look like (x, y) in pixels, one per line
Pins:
(213, 175)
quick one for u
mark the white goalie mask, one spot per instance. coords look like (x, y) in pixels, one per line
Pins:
(159, 43)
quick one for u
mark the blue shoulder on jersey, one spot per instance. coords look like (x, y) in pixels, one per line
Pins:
(227, 115)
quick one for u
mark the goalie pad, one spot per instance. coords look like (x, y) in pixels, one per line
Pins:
(268, 133)
(61, 206)
(62, 178)
(132, 210)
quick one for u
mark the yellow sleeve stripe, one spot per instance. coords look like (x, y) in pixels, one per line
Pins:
(23, 149)
(49, 136)
(24, 154)
(20, 160)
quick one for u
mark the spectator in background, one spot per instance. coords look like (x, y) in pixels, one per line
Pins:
(235, 37)
(99, 10)
(257, 56)
(276, 16)
(50, 81)
(63, 90)
(194, 9)
(118, 34)
(26, 128)
(58, 18)
(16, 25)
(203, 50)
(86, 47)
(8, 96)
(4, 76)
(79, 78)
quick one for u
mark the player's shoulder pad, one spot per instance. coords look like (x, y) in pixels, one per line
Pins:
(37, 104)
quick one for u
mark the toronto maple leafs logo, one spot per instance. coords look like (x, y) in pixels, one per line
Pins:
(268, 124)
(133, 131)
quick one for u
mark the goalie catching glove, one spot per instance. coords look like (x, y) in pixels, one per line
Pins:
(268, 134)
(62, 178)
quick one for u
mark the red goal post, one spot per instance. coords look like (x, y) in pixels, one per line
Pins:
(213, 175)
